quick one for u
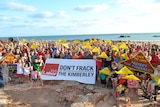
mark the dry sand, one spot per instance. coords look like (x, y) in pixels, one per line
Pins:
(65, 94)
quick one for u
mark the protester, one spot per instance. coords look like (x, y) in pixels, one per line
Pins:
(37, 56)
(20, 71)
(27, 70)
(2, 83)
(36, 67)
(153, 82)
(5, 72)
(34, 76)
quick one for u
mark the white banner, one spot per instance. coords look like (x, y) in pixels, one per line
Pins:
(81, 70)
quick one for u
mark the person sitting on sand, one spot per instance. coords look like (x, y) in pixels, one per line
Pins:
(114, 76)
(103, 79)
(120, 89)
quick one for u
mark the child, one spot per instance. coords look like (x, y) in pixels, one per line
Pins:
(36, 66)
(34, 76)
(20, 71)
(27, 69)
(103, 79)
(120, 89)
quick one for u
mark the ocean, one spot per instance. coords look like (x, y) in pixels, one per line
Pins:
(131, 36)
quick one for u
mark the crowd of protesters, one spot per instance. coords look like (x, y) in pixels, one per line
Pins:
(31, 57)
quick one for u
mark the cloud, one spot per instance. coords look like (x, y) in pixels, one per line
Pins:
(138, 9)
(94, 8)
(92, 21)
(18, 6)
(5, 18)
(49, 14)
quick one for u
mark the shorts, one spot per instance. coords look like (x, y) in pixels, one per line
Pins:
(103, 81)
(34, 79)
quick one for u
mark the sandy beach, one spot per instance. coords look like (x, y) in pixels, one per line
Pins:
(66, 94)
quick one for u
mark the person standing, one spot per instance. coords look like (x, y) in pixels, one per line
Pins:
(36, 67)
(20, 71)
(5, 72)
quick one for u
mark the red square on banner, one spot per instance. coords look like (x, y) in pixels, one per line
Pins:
(51, 69)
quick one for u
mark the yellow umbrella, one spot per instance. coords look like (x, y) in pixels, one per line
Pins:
(131, 77)
(87, 46)
(156, 78)
(105, 71)
(124, 56)
(34, 46)
(100, 41)
(62, 40)
(108, 41)
(34, 41)
(103, 55)
(23, 40)
(95, 49)
(124, 70)
(65, 45)
(115, 48)
(76, 42)
(44, 41)
(123, 46)
(127, 42)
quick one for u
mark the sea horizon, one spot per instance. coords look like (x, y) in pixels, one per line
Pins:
(111, 36)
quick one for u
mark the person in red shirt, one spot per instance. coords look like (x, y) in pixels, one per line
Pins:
(154, 58)
(80, 55)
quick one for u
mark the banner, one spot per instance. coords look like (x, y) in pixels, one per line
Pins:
(80, 70)
(139, 63)
(9, 58)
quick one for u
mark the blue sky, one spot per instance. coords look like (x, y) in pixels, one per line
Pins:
(65, 17)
